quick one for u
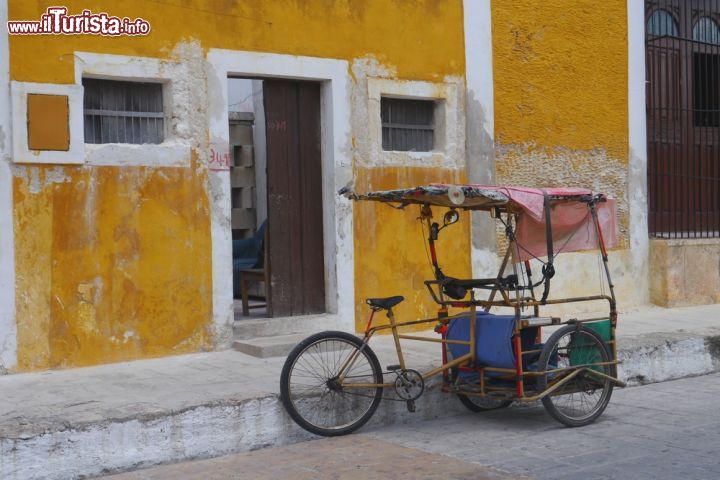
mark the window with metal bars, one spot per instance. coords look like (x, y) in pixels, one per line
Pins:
(407, 125)
(123, 112)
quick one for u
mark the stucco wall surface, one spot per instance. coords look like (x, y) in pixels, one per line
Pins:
(561, 113)
(108, 265)
(395, 31)
(684, 272)
(114, 263)
(392, 257)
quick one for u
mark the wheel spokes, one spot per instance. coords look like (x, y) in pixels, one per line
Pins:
(580, 398)
(315, 394)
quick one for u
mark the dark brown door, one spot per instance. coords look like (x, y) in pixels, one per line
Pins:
(294, 178)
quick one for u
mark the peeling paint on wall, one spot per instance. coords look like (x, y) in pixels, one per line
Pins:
(391, 256)
(106, 251)
(535, 166)
(145, 231)
(561, 119)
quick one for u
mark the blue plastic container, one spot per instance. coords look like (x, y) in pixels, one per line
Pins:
(493, 339)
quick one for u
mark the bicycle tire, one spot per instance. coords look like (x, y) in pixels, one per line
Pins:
(479, 404)
(329, 399)
(592, 353)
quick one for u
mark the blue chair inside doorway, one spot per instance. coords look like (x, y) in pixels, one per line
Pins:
(247, 254)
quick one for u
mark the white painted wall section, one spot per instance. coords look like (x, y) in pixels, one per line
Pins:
(637, 154)
(479, 61)
(8, 330)
(480, 118)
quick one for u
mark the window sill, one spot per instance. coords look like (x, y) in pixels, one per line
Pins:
(166, 154)
(419, 159)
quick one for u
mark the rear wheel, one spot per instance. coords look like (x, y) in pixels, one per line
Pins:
(483, 404)
(583, 399)
(312, 393)
(478, 404)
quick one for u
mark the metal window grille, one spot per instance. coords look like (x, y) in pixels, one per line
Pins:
(407, 125)
(683, 117)
(123, 112)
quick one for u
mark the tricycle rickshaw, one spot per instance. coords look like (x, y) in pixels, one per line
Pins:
(332, 382)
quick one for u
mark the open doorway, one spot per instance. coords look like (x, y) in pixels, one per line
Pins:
(276, 197)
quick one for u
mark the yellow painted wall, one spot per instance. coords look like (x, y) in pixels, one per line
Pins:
(115, 263)
(422, 38)
(560, 84)
(561, 118)
(391, 256)
(560, 74)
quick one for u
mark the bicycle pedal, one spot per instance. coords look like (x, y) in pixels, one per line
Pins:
(392, 368)
(410, 406)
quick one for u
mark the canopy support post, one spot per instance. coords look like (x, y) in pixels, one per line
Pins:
(548, 270)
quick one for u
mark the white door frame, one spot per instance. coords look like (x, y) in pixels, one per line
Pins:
(336, 171)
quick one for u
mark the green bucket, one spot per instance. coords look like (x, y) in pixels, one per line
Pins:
(584, 354)
(602, 328)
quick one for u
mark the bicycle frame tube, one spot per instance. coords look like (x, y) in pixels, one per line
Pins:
(393, 326)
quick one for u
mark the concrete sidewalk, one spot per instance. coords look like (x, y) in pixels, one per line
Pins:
(81, 422)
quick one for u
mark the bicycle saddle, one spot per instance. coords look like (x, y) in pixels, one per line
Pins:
(387, 303)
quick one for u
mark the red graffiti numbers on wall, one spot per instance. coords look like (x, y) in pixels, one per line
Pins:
(218, 161)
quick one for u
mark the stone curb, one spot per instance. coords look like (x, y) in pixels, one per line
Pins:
(218, 428)
(658, 357)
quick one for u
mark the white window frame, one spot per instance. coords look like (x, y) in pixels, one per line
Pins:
(449, 129)
(173, 151)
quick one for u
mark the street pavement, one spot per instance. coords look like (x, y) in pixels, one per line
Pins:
(668, 430)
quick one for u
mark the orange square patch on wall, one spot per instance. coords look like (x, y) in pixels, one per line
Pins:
(48, 122)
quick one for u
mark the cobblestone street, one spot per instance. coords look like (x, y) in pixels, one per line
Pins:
(668, 430)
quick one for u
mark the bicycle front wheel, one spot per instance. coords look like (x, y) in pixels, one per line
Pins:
(311, 390)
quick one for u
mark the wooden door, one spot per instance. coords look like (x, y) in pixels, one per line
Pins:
(295, 211)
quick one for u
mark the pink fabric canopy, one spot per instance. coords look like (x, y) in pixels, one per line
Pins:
(572, 225)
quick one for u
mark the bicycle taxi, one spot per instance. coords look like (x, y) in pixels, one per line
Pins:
(332, 382)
